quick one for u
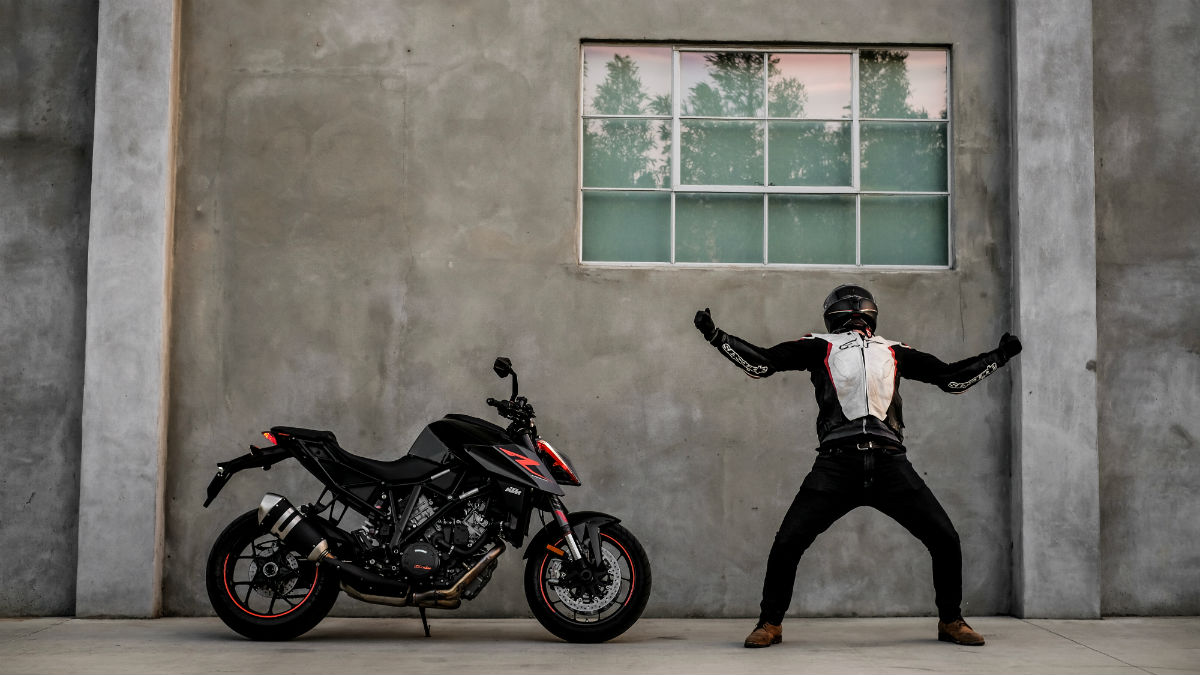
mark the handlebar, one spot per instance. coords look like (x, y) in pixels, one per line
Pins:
(517, 409)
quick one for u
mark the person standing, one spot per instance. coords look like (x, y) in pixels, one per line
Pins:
(861, 460)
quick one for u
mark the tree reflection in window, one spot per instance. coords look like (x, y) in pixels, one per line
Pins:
(898, 155)
(624, 152)
(743, 121)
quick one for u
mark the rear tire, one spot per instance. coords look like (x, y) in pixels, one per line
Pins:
(595, 614)
(261, 589)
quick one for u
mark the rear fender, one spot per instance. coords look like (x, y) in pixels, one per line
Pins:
(579, 521)
(258, 457)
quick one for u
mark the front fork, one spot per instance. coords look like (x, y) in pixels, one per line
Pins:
(574, 553)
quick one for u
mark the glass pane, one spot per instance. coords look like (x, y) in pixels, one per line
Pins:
(626, 80)
(809, 153)
(901, 83)
(811, 229)
(626, 153)
(718, 228)
(903, 156)
(904, 230)
(627, 226)
(721, 84)
(720, 153)
(809, 85)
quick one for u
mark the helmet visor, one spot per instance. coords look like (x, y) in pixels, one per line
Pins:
(852, 305)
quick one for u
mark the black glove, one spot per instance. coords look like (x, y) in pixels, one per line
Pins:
(705, 325)
(1010, 346)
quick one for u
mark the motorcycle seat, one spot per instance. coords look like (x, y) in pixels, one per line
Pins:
(407, 469)
(306, 434)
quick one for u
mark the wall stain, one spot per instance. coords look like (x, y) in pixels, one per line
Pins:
(1188, 439)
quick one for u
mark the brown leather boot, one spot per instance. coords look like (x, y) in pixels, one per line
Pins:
(958, 632)
(765, 635)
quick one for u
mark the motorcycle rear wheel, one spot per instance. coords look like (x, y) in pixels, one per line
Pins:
(596, 613)
(261, 589)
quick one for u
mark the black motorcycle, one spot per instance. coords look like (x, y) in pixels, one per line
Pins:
(424, 531)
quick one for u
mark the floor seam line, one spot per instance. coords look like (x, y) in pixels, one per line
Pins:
(1149, 672)
(41, 630)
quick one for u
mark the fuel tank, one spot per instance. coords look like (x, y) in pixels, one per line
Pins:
(454, 431)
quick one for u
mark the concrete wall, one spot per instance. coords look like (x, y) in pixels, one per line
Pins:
(1055, 479)
(47, 71)
(124, 380)
(377, 198)
(1148, 279)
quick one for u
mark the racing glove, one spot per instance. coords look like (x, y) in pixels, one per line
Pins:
(1009, 347)
(704, 324)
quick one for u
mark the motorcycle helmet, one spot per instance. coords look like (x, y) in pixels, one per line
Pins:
(849, 307)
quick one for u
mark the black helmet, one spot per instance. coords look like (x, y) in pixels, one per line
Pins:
(849, 307)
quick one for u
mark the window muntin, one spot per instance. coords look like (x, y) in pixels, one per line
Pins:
(780, 157)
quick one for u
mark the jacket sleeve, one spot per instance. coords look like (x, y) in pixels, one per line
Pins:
(758, 362)
(954, 378)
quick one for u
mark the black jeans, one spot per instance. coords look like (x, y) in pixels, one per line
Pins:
(843, 480)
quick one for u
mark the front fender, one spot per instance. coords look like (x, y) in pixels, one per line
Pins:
(578, 521)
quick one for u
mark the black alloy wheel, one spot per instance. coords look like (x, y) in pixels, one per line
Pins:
(261, 589)
(594, 601)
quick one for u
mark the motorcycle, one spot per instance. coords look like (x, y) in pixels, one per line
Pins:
(427, 531)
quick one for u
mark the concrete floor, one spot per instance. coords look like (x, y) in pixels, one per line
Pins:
(340, 645)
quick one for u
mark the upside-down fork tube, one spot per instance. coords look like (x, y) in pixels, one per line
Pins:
(560, 518)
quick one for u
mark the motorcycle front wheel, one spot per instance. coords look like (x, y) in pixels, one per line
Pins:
(595, 607)
(262, 589)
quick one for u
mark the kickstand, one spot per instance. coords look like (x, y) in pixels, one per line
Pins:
(424, 622)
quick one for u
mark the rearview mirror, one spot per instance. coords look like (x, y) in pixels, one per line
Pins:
(503, 367)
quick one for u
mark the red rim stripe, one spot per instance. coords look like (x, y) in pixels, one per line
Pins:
(225, 578)
(632, 574)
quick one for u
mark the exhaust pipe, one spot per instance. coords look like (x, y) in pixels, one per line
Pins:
(448, 598)
(452, 597)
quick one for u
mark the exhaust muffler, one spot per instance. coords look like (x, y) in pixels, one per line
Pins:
(298, 533)
(278, 515)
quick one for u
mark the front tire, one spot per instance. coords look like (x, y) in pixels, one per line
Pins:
(261, 589)
(580, 612)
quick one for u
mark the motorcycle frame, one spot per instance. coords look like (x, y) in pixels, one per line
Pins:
(345, 487)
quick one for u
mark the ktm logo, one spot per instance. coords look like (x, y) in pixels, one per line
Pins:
(525, 462)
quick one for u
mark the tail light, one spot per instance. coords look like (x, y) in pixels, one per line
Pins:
(560, 466)
(270, 437)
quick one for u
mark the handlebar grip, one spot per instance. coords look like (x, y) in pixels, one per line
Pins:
(493, 402)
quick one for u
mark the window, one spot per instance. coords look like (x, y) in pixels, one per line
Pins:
(735, 156)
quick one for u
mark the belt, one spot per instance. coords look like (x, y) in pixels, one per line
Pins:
(862, 446)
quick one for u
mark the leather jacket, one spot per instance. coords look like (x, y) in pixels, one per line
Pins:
(857, 378)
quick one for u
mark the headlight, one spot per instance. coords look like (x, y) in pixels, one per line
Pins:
(560, 466)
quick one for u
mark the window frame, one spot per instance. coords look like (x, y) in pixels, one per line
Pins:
(767, 191)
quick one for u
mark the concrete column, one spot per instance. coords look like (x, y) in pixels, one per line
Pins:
(1056, 508)
(125, 372)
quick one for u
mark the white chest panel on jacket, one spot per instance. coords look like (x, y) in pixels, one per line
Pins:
(863, 372)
